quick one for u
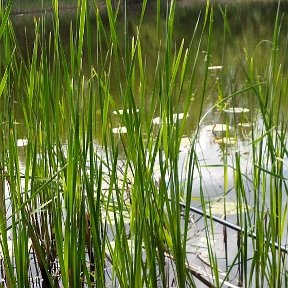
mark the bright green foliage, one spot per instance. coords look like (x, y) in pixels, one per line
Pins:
(91, 212)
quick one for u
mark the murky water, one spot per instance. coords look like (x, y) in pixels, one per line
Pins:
(251, 25)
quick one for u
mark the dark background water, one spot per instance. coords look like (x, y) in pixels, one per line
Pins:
(249, 27)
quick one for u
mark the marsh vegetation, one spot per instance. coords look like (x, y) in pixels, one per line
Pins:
(143, 146)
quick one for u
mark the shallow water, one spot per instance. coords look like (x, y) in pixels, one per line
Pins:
(251, 25)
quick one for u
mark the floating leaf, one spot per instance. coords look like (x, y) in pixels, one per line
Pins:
(226, 141)
(119, 130)
(219, 208)
(215, 68)
(244, 125)
(236, 110)
(121, 112)
(176, 117)
(221, 128)
(22, 142)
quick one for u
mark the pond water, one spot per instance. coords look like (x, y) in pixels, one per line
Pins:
(223, 133)
(251, 26)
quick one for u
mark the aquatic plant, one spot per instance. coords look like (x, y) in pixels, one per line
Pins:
(93, 193)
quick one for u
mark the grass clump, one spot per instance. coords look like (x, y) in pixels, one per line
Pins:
(83, 204)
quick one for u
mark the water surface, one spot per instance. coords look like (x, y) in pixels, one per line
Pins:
(249, 31)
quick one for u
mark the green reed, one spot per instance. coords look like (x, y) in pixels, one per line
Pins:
(87, 212)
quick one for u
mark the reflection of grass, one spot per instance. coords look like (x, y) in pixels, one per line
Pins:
(36, 5)
(79, 208)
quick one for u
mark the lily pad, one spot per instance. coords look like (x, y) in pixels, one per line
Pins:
(215, 67)
(22, 142)
(121, 112)
(156, 120)
(236, 110)
(219, 130)
(119, 130)
(179, 116)
(185, 144)
(226, 141)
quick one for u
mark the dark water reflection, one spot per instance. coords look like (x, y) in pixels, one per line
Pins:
(250, 26)
(249, 23)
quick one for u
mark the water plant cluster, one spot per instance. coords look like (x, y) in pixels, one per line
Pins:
(93, 191)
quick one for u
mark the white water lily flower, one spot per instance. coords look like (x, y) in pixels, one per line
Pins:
(156, 121)
(218, 208)
(226, 141)
(221, 128)
(244, 125)
(176, 117)
(179, 116)
(10, 248)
